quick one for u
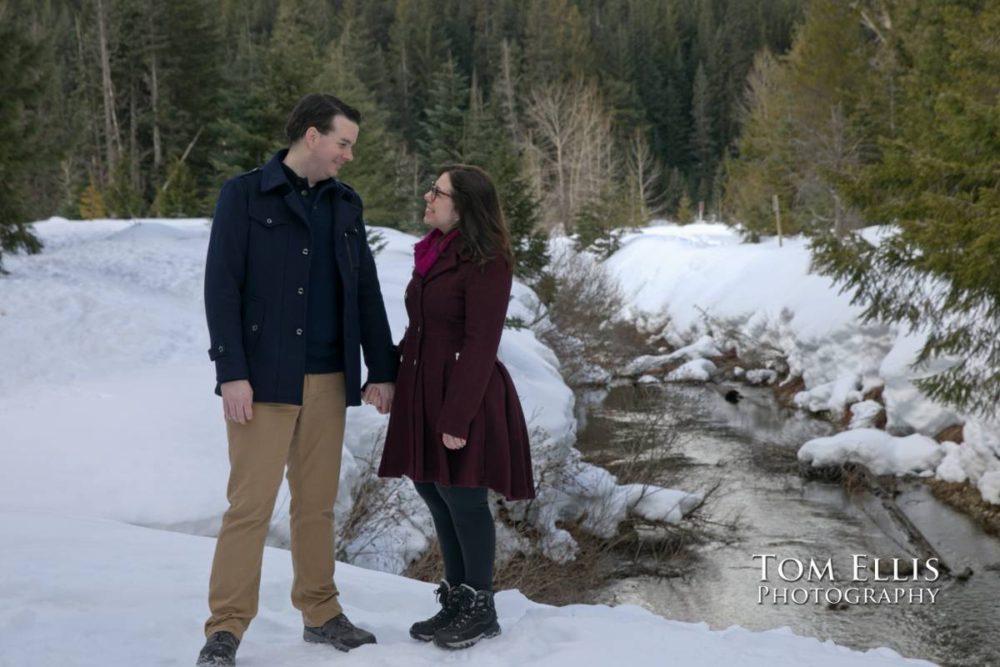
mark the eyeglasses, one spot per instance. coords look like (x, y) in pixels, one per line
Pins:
(438, 192)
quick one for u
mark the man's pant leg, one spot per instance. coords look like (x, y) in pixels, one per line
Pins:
(313, 476)
(257, 454)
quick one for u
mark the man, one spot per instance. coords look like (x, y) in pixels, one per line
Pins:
(291, 293)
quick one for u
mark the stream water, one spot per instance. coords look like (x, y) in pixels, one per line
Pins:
(747, 451)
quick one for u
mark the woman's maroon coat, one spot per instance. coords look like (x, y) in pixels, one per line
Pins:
(450, 381)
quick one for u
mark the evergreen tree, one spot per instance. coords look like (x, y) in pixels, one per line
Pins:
(123, 199)
(809, 127)
(486, 144)
(178, 198)
(442, 129)
(24, 72)
(248, 128)
(557, 43)
(936, 184)
(294, 56)
(375, 171)
(91, 205)
(703, 149)
(417, 50)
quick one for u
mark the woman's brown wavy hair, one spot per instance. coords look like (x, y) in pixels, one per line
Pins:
(481, 222)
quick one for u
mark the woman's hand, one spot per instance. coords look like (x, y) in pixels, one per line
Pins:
(380, 395)
(451, 442)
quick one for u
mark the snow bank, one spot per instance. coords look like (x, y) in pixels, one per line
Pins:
(881, 452)
(106, 403)
(701, 279)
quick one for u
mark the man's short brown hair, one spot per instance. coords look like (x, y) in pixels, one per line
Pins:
(317, 110)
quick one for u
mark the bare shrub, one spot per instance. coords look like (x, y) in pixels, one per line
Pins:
(584, 309)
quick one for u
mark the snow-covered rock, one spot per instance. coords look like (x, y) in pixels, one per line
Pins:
(759, 376)
(880, 452)
(863, 414)
(698, 370)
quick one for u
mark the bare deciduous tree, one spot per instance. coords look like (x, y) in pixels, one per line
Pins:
(571, 148)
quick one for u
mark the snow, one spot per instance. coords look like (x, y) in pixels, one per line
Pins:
(882, 453)
(863, 414)
(976, 459)
(686, 282)
(115, 594)
(831, 396)
(645, 363)
(758, 376)
(657, 504)
(106, 332)
(697, 369)
(113, 468)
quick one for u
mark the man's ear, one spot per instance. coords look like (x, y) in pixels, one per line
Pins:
(310, 136)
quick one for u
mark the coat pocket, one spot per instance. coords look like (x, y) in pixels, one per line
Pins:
(351, 246)
(253, 324)
(268, 218)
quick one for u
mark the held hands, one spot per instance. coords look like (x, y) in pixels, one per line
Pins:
(237, 401)
(380, 395)
(452, 442)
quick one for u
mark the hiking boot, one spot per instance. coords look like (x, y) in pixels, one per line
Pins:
(476, 619)
(424, 630)
(219, 650)
(340, 633)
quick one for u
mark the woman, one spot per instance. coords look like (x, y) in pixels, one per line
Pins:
(456, 427)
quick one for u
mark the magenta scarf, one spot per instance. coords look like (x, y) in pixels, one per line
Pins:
(429, 248)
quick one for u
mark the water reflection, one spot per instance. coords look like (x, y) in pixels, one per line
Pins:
(750, 447)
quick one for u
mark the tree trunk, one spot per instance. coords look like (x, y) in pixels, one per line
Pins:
(111, 133)
(155, 101)
(94, 170)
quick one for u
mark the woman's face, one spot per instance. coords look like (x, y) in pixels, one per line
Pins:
(440, 211)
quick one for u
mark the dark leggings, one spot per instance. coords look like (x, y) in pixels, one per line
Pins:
(465, 532)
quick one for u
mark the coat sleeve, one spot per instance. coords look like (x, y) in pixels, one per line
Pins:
(487, 293)
(225, 274)
(381, 356)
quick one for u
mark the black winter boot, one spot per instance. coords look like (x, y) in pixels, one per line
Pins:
(219, 650)
(424, 630)
(338, 632)
(476, 619)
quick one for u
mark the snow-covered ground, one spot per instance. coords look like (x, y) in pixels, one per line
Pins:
(109, 431)
(78, 591)
(106, 401)
(687, 282)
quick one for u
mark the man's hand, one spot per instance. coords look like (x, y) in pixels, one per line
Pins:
(237, 401)
(380, 395)
(452, 442)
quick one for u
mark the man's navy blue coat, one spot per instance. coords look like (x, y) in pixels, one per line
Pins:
(256, 277)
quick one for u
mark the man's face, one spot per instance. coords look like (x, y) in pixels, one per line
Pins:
(331, 150)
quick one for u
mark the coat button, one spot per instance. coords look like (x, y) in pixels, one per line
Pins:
(305, 251)
(221, 349)
(298, 332)
(414, 362)
(253, 327)
(301, 291)
(305, 193)
(269, 221)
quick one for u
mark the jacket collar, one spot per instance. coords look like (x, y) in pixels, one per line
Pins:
(448, 261)
(273, 177)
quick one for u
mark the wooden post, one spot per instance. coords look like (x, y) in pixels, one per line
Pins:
(777, 217)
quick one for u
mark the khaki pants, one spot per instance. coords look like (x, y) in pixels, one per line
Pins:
(310, 440)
